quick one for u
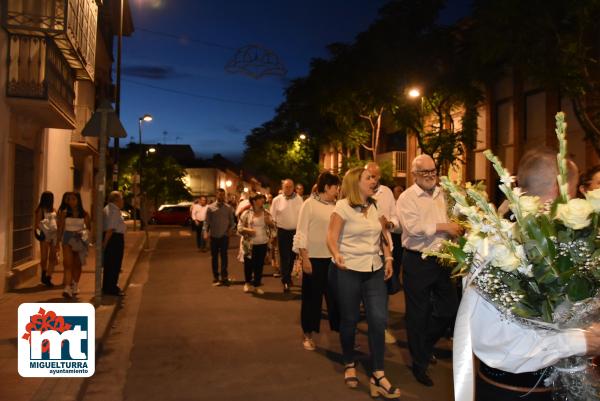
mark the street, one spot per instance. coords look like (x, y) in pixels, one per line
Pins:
(178, 338)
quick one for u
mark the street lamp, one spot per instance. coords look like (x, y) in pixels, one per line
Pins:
(141, 120)
(302, 137)
(152, 150)
(228, 183)
(414, 93)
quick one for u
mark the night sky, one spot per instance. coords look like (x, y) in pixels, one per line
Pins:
(174, 65)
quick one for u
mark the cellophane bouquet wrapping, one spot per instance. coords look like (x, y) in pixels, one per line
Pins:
(540, 267)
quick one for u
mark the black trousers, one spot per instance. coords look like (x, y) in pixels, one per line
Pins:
(285, 239)
(200, 242)
(113, 258)
(218, 246)
(314, 288)
(253, 267)
(431, 304)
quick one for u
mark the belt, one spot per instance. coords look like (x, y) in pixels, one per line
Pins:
(515, 382)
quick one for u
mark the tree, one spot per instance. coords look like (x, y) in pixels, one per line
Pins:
(162, 178)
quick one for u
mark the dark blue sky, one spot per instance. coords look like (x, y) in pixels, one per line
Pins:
(192, 43)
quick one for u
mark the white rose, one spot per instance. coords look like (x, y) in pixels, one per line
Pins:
(529, 204)
(575, 214)
(504, 258)
(474, 241)
(594, 198)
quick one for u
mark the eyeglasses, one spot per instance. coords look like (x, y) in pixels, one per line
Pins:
(426, 173)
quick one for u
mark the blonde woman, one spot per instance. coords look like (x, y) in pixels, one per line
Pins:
(355, 238)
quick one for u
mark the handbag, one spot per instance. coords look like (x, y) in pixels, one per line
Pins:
(39, 235)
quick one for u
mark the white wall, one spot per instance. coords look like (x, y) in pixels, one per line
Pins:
(58, 164)
(4, 167)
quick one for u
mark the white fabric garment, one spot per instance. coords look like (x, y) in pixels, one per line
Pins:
(49, 226)
(199, 212)
(419, 213)
(285, 211)
(74, 224)
(243, 205)
(258, 224)
(386, 204)
(503, 344)
(359, 238)
(311, 231)
(113, 220)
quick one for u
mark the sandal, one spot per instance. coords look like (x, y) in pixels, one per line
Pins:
(351, 381)
(377, 389)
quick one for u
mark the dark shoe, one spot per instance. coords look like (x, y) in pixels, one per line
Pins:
(225, 283)
(378, 389)
(351, 381)
(422, 377)
(47, 281)
(286, 288)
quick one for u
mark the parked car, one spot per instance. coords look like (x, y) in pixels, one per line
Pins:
(172, 214)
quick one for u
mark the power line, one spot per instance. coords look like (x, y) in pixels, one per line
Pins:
(186, 38)
(199, 96)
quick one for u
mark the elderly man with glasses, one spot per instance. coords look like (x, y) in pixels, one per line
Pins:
(431, 299)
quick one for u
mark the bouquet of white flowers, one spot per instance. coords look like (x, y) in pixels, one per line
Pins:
(541, 268)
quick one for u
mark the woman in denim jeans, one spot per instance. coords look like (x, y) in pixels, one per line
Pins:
(355, 240)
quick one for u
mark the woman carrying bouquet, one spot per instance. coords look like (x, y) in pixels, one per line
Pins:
(354, 239)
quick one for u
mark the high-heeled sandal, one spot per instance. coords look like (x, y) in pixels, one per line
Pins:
(378, 390)
(351, 381)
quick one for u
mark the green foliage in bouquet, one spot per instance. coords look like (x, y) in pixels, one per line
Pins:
(547, 257)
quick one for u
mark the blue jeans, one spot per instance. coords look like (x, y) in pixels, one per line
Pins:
(352, 287)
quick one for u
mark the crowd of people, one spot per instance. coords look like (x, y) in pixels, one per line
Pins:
(353, 239)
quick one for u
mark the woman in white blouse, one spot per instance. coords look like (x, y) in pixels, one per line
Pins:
(310, 242)
(355, 237)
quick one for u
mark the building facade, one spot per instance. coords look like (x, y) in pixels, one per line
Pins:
(55, 65)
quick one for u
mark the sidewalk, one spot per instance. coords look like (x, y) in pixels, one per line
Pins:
(17, 388)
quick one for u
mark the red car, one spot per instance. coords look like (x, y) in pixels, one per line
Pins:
(172, 214)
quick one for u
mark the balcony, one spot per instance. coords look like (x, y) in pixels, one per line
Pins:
(397, 159)
(39, 81)
(71, 24)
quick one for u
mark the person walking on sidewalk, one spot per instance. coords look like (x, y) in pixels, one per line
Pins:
(386, 205)
(356, 236)
(256, 227)
(113, 243)
(219, 222)
(73, 227)
(285, 210)
(199, 217)
(310, 242)
(46, 232)
(431, 299)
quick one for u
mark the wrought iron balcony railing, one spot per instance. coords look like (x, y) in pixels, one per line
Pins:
(71, 24)
(37, 70)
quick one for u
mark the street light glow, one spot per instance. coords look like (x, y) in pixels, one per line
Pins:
(246, 189)
(228, 183)
(152, 150)
(302, 137)
(146, 117)
(414, 93)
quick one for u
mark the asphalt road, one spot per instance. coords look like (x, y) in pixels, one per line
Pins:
(179, 338)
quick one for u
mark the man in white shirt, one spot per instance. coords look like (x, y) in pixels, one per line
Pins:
(285, 210)
(386, 207)
(513, 357)
(427, 285)
(198, 217)
(113, 243)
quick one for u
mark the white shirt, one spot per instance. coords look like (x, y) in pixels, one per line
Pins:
(113, 220)
(258, 224)
(285, 211)
(419, 213)
(244, 203)
(199, 212)
(359, 238)
(386, 204)
(506, 345)
(311, 231)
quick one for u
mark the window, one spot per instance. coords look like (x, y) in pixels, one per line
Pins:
(22, 245)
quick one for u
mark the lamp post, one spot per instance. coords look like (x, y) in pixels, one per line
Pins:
(118, 93)
(141, 120)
